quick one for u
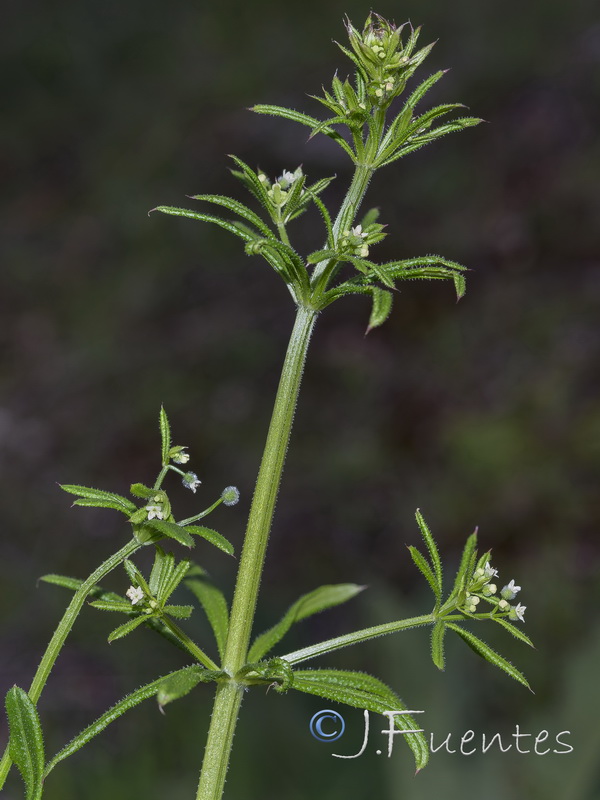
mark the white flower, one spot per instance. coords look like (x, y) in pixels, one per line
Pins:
(488, 572)
(135, 594)
(191, 481)
(287, 176)
(181, 457)
(518, 612)
(509, 592)
(155, 511)
(358, 231)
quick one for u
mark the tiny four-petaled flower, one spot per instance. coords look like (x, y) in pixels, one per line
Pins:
(155, 512)
(135, 594)
(181, 457)
(517, 612)
(509, 592)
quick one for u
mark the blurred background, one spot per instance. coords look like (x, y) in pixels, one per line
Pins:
(481, 414)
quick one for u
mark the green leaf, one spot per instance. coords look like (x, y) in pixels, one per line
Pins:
(466, 566)
(113, 605)
(360, 690)
(211, 536)
(172, 580)
(135, 576)
(382, 307)
(423, 565)
(214, 605)
(237, 208)
(485, 651)
(162, 569)
(432, 547)
(101, 504)
(312, 603)
(437, 644)
(423, 88)
(26, 743)
(369, 218)
(172, 530)
(75, 583)
(113, 713)
(182, 682)
(126, 628)
(179, 612)
(326, 217)
(321, 255)
(144, 492)
(303, 119)
(223, 223)
(516, 632)
(165, 435)
(121, 503)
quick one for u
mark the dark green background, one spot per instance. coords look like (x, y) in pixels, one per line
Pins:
(483, 413)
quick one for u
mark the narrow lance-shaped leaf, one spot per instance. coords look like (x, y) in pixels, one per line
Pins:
(381, 309)
(222, 223)
(432, 547)
(237, 208)
(485, 651)
(307, 605)
(126, 704)
(182, 682)
(437, 644)
(26, 743)
(211, 536)
(514, 631)
(359, 690)
(99, 497)
(465, 569)
(426, 570)
(213, 603)
(144, 492)
(126, 628)
(165, 436)
(172, 530)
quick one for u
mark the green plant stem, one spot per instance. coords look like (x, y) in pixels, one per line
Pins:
(229, 695)
(62, 631)
(190, 645)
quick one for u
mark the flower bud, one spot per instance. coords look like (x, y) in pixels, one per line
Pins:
(230, 495)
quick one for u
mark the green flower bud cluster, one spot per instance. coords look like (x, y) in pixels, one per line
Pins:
(357, 240)
(278, 191)
(384, 60)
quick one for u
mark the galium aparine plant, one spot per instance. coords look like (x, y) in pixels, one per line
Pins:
(376, 121)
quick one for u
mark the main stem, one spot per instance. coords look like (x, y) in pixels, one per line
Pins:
(62, 631)
(229, 695)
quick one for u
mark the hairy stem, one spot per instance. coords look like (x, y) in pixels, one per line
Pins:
(229, 695)
(62, 631)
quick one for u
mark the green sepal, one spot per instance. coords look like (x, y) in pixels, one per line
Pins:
(213, 603)
(437, 644)
(426, 570)
(171, 530)
(165, 430)
(432, 548)
(485, 651)
(211, 536)
(113, 713)
(26, 742)
(222, 223)
(312, 603)
(183, 681)
(125, 628)
(360, 690)
(88, 493)
(142, 491)
(381, 308)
